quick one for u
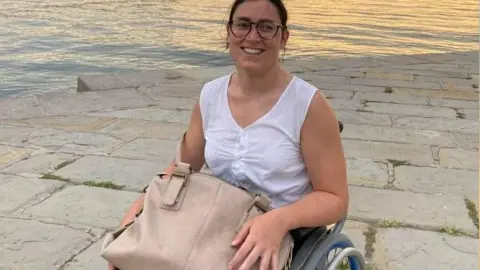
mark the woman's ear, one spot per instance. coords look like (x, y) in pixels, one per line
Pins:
(285, 37)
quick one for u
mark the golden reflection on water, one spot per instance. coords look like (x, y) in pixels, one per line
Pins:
(52, 41)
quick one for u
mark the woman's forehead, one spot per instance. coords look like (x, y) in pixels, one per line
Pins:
(259, 10)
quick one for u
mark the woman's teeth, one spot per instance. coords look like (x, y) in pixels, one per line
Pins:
(252, 51)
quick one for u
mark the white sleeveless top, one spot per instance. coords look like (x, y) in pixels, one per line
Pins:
(265, 156)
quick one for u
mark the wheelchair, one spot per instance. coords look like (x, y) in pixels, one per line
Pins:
(313, 253)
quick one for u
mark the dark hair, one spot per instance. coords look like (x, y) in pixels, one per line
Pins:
(282, 11)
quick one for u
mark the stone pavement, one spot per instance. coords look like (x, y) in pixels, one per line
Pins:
(71, 164)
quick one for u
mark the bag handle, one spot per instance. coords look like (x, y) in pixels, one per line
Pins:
(261, 201)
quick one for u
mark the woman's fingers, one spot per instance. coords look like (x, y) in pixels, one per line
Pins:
(265, 261)
(274, 260)
(241, 254)
(241, 235)
(252, 259)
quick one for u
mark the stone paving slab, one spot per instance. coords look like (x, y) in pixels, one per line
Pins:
(131, 173)
(458, 158)
(405, 249)
(158, 150)
(69, 122)
(419, 209)
(68, 104)
(410, 110)
(40, 164)
(31, 244)
(128, 80)
(11, 154)
(129, 129)
(461, 183)
(365, 172)
(440, 124)
(366, 118)
(400, 135)
(89, 259)
(93, 207)
(18, 108)
(416, 154)
(73, 142)
(17, 191)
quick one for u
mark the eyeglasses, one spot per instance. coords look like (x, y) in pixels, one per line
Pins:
(265, 29)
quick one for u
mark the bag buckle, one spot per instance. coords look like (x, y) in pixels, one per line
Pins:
(177, 182)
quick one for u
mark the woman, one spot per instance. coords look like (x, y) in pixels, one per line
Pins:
(266, 130)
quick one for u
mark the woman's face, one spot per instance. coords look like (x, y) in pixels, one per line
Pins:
(256, 50)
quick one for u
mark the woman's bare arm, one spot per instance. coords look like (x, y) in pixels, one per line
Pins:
(326, 165)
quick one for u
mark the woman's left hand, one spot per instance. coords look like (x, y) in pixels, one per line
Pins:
(260, 237)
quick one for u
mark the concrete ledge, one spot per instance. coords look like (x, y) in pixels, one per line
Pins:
(89, 83)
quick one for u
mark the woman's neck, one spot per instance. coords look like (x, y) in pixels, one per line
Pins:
(256, 83)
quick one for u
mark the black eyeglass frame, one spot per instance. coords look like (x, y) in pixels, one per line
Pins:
(278, 26)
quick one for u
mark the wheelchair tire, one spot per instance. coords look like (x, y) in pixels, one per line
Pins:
(320, 255)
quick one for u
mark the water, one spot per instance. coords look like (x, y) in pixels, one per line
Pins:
(45, 45)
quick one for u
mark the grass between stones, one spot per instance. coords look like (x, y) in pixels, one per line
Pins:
(52, 176)
(103, 184)
(90, 183)
(388, 90)
(472, 211)
(451, 230)
(390, 223)
(370, 239)
(460, 115)
(475, 86)
(397, 163)
(63, 164)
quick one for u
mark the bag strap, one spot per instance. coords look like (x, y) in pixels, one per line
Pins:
(178, 178)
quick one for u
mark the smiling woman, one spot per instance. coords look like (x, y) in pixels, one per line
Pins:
(267, 131)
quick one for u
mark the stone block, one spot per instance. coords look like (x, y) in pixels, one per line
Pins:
(16, 135)
(395, 83)
(405, 249)
(400, 135)
(365, 118)
(439, 94)
(17, 192)
(345, 104)
(389, 76)
(30, 244)
(318, 79)
(39, 164)
(337, 94)
(458, 159)
(69, 104)
(460, 183)
(71, 122)
(466, 141)
(410, 110)
(149, 113)
(441, 124)
(173, 103)
(354, 230)
(391, 98)
(129, 129)
(134, 174)
(471, 114)
(364, 172)
(88, 83)
(18, 108)
(453, 103)
(191, 90)
(85, 206)
(88, 259)
(382, 151)
(11, 154)
(159, 150)
(155, 77)
(351, 87)
(420, 209)
(74, 142)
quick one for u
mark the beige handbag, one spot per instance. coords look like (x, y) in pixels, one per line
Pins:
(188, 222)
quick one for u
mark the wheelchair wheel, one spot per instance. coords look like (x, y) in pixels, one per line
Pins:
(344, 257)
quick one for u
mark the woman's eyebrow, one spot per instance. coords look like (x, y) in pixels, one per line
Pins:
(248, 19)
